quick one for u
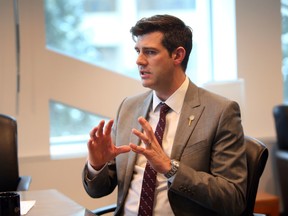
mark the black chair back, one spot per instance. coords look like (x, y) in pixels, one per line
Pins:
(257, 155)
(9, 172)
(280, 113)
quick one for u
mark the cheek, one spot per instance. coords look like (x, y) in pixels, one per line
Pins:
(162, 63)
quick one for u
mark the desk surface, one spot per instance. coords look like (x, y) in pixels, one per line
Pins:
(51, 202)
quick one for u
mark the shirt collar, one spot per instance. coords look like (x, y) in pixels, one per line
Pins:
(175, 101)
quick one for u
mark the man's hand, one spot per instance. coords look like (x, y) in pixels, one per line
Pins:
(153, 151)
(100, 146)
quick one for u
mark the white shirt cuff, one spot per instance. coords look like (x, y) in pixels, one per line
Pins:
(92, 172)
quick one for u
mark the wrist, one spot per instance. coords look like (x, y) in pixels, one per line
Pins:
(95, 167)
(174, 167)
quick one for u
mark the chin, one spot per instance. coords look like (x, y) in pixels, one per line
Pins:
(144, 83)
(147, 84)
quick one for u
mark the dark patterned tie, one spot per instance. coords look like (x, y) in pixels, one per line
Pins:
(149, 179)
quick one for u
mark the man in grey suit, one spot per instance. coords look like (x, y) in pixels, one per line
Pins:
(201, 165)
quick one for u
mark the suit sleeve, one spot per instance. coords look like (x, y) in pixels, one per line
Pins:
(102, 184)
(213, 171)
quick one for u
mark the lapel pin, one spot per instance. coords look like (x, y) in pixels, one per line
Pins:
(191, 118)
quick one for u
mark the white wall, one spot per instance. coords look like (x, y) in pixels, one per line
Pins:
(258, 24)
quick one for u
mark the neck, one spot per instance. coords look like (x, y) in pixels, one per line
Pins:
(165, 93)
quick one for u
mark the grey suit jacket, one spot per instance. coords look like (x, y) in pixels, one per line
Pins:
(212, 176)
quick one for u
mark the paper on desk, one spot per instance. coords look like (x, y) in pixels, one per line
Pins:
(25, 206)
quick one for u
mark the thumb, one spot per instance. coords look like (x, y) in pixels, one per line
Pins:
(122, 149)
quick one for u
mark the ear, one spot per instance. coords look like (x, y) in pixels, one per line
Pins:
(178, 55)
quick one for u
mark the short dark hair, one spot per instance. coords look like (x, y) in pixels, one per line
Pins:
(175, 33)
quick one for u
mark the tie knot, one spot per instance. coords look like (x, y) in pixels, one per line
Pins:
(164, 108)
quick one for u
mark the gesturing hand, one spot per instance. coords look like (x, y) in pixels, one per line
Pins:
(153, 151)
(100, 146)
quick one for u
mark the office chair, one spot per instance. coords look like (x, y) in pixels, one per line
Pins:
(9, 171)
(257, 155)
(105, 209)
(280, 113)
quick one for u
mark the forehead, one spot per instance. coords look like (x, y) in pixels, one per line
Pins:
(153, 39)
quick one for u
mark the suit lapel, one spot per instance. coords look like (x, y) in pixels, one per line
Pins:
(142, 110)
(190, 114)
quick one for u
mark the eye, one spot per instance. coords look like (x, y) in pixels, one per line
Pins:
(137, 51)
(150, 52)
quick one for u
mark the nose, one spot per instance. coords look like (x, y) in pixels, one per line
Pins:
(141, 59)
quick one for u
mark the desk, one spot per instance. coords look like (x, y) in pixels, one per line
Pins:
(53, 203)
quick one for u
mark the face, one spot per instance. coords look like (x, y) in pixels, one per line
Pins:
(155, 65)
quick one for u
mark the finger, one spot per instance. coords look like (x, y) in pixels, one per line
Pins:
(93, 132)
(108, 127)
(142, 136)
(99, 132)
(90, 144)
(148, 144)
(137, 149)
(122, 149)
(146, 126)
(90, 141)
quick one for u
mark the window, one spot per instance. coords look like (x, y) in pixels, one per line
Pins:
(86, 30)
(284, 11)
(69, 125)
(97, 32)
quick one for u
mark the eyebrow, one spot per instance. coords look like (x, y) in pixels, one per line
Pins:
(146, 48)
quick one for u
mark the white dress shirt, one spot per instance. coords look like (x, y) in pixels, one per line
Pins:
(161, 203)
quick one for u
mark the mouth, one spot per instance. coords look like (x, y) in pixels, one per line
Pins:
(144, 74)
